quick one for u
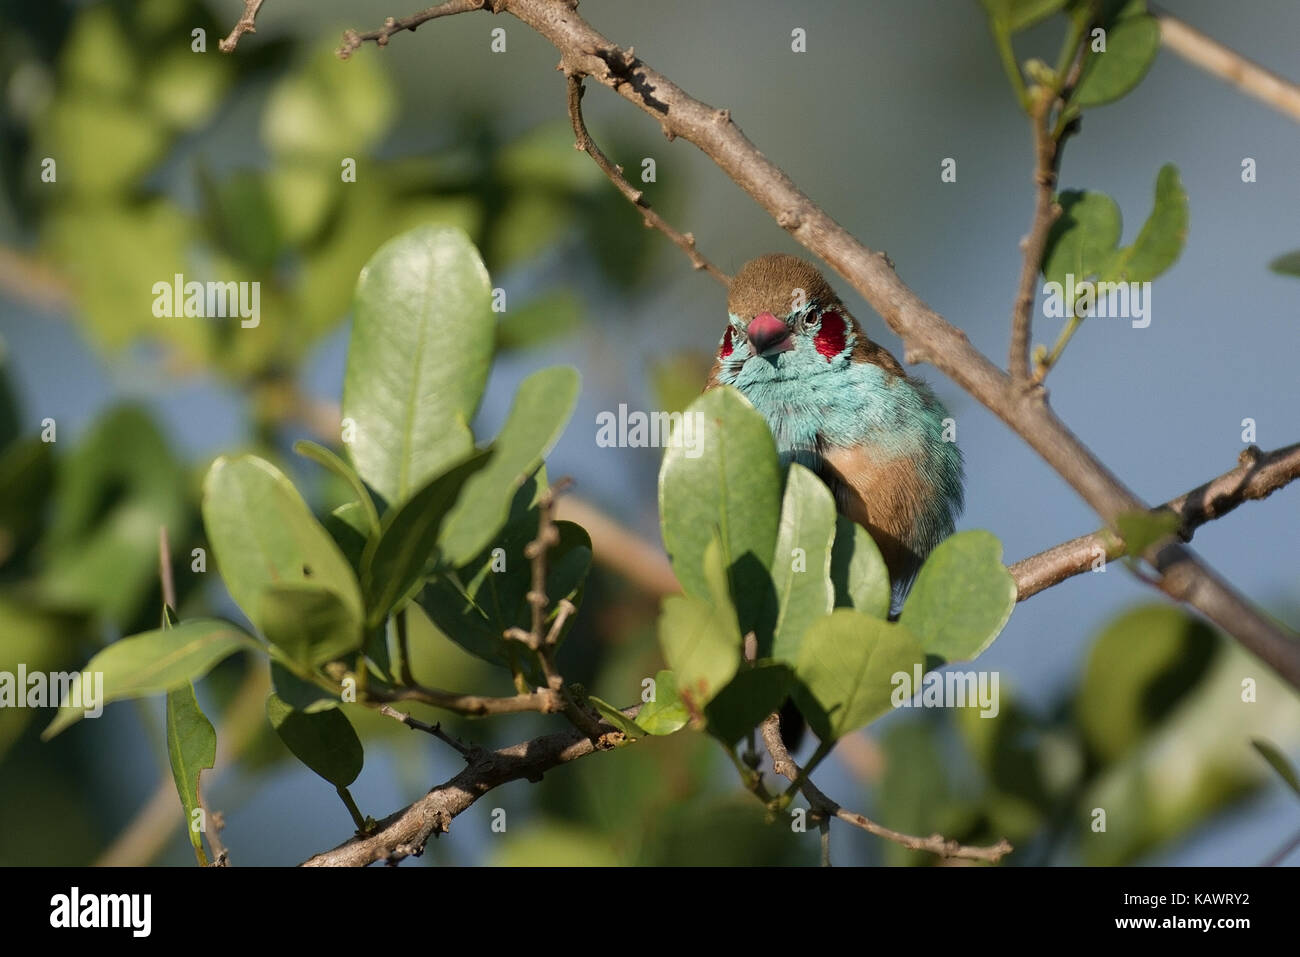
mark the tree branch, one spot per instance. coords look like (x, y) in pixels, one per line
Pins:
(405, 833)
(822, 806)
(1259, 475)
(246, 24)
(352, 40)
(1228, 65)
(652, 220)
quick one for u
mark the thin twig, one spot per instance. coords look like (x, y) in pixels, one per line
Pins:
(1228, 65)
(246, 24)
(165, 577)
(614, 172)
(1283, 852)
(352, 39)
(405, 833)
(784, 765)
(1258, 476)
(543, 700)
(415, 724)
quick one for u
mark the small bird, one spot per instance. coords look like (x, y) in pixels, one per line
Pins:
(842, 405)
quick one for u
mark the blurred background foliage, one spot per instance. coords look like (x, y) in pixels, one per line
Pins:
(229, 167)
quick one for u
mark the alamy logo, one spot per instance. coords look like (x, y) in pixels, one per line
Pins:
(1105, 300)
(38, 689)
(642, 430)
(208, 300)
(74, 909)
(948, 689)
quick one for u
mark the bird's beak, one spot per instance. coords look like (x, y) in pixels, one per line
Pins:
(768, 335)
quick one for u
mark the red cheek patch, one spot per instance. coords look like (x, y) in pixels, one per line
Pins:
(725, 350)
(830, 336)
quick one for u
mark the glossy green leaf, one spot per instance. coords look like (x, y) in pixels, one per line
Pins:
(153, 662)
(616, 717)
(1161, 240)
(1131, 45)
(801, 566)
(1083, 239)
(422, 337)
(325, 741)
(191, 749)
(667, 712)
(298, 693)
(748, 699)
(724, 479)
(262, 533)
(308, 622)
(489, 594)
(327, 459)
(396, 559)
(962, 597)
(701, 645)
(858, 571)
(541, 407)
(846, 668)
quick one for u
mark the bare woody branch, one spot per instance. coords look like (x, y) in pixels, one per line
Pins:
(652, 220)
(1259, 475)
(352, 40)
(406, 832)
(1228, 65)
(246, 24)
(822, 806)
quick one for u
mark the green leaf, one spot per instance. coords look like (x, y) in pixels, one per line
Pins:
(327, 459)
(1131, 45)
(701, 645)
(191, 749)
(325, 741)
(1139, 668)
(393, 562)
(1287, 265)
(1082, 241)
(616, 717)
(262, 533)
(846, 667)
(489, 595)
(241, 218)
(153, 662)
(1015, 15)
(299, 694)
(667, 712)
(118, 487)
(1161, 240)
(801, 566)
(308, 623)
(541, 407)
(1142, 529)
(421, 345)
(748, 699)
(724, 479)
(962, 597)
(858, 571)
(1286, 771)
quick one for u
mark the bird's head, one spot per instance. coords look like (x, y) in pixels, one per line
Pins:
(785, 322)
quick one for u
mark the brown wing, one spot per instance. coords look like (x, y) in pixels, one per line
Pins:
(884, 497)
